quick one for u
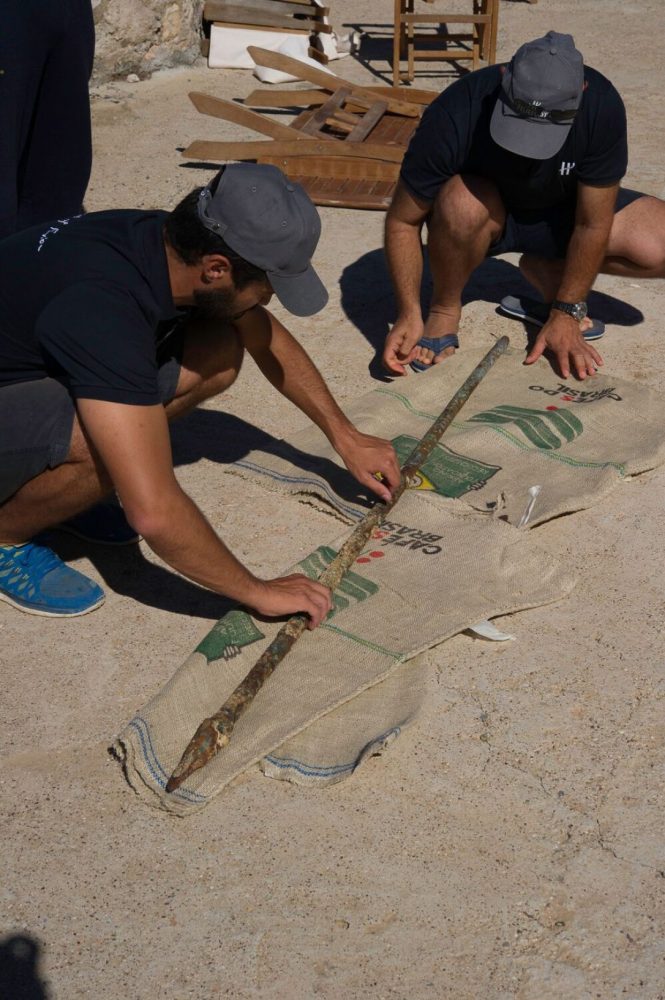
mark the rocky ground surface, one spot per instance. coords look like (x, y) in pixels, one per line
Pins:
(508, 845)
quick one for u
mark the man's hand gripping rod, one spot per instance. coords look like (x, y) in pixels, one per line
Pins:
(214, 733)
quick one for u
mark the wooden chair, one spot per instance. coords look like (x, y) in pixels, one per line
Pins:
(345, 146)
(476, 43)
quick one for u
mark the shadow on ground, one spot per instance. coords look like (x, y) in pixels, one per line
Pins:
(368, 302)
(221, 438)
(376, 49)
(19, 969)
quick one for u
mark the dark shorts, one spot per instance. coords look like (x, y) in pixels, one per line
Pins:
(546, 232)
(36, 420)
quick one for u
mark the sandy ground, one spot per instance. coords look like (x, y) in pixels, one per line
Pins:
(510, 844)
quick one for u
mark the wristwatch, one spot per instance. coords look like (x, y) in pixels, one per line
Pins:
(578, 310)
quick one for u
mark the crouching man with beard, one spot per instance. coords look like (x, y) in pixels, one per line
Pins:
(112, 324)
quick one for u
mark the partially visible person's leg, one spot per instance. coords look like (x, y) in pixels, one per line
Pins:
(62, 474)
(57, 158)
(49, 472)
(43, 470)
(26, 28)
(208, 363)
(636, 247)
(467, 217)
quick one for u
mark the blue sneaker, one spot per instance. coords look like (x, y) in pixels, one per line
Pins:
(33, 579)
(105, 524)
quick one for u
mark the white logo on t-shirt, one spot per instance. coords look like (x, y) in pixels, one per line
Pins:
(55, 229)
(566, 168)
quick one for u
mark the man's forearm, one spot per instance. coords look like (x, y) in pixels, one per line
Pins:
(404, 254)
(588, 243)
(585, 255)
(288, 367)
(178, 533)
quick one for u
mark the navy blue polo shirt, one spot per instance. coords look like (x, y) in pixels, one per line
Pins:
(82, 300)
(453, 137)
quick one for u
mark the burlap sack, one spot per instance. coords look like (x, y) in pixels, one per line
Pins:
(522, 427)
(434, 568)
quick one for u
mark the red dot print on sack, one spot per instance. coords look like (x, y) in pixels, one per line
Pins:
(373, 555)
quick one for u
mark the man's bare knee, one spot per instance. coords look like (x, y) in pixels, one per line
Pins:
(637, 238)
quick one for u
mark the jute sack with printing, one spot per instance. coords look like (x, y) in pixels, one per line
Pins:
(522, 427)
(431, 570)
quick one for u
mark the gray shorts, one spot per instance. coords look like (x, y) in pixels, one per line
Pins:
(36, 420)
(546, 232)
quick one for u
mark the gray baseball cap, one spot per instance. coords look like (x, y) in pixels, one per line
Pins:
(271, 222)
(541, 91)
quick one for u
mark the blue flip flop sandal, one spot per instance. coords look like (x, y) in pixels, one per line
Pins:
(436, 344)
(531, 311)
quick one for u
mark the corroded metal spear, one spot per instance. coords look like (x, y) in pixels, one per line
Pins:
(214, 733)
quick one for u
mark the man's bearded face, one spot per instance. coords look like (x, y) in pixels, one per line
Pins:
(229, 303)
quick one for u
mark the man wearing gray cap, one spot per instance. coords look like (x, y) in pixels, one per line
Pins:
(113, 323)
(524, 157)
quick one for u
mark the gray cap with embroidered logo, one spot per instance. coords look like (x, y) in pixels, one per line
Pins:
(541, 91)
(272, 223)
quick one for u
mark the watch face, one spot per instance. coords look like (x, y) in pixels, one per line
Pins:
(577, 310)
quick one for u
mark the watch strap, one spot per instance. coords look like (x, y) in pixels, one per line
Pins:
(577, 310)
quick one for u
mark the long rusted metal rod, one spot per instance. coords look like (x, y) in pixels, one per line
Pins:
(214, 733)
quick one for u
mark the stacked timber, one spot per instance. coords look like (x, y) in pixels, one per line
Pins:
(294, 16)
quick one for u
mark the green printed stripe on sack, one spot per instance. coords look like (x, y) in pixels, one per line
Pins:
(565, 422)
(362, 642)
(463, 426)
(557, 456)
(352, 588)
(407, 404)
(534, 423)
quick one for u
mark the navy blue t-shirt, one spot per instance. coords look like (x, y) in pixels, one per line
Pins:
(453, 137)
(81, 300)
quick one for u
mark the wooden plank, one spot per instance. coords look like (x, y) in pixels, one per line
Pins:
(368, 122)
(215, 10)
(335, 167)
(322, 195)
(220, 152)
(346, 118)
(363, 199)
(302, 122)
(320, 57)
(331, 115)
(391, 130)
(266, 98)
(239, 17)
(445, 18)
(258, 27)
(450, 54)
(318, 119)
(277, 60)
(217, 107)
